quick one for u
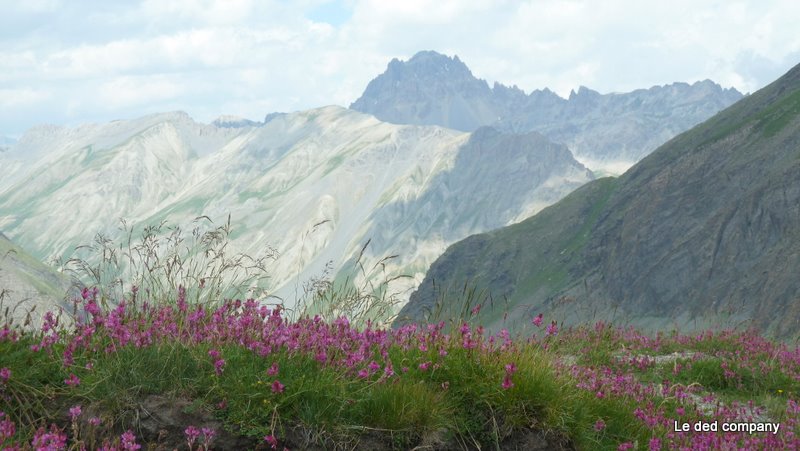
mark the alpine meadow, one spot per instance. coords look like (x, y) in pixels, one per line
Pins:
(203, 248)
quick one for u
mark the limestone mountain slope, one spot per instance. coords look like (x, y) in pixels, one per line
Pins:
(28, 288)
(314, 185)
(84, 179)
(704, 231)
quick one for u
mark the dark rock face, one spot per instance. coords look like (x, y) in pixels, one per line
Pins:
(430, 89)
(705, 231)
(162, 422)
(433, 89)
(233, 122)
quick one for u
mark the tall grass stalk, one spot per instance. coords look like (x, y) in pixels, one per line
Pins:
(158, 259)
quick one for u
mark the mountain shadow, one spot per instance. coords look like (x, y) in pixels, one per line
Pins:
(703, 232)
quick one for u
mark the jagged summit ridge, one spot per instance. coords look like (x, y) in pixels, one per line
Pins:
(434, 89)
(462, 102)
(231, 121)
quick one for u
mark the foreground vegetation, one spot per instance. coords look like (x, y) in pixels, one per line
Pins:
(140, 362)
(242, 371)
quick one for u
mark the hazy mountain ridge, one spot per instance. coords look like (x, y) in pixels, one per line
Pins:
(315, 185)
(703, 231)
(603, 129)
(26, 283)
(39, 147)
(97, 173)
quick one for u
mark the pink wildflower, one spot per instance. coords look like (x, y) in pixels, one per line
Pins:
(7, 427)
(72, 380)
(599, 425)
(537, 321)
(273, 370)
(219, 367)
(192, 433)
(128, 441)
(54, 439)
(75, 412)
(277, 387)
(655, 444)
(271, 441)
(208, 436)
(5, 374)
(511, 368)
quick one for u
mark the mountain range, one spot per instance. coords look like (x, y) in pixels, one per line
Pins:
(317, 185)
(604, 131)
(704, 231)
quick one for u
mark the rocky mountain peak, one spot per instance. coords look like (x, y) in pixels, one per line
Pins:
(426, 69)
(614, 130)
(431, 62)
(229, 121)
(583, 94)
(702, 232)
(429, 89)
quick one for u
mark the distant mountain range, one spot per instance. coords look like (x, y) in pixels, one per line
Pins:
(704, 231)
(605, 131)
(315, 185)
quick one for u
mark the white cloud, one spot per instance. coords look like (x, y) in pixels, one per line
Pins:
(24, 97)
(127, 91)
(214, 12)
(37, 6)
(213, 57)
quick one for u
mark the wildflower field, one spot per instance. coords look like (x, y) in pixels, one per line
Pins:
(159, 366)
(247, 377)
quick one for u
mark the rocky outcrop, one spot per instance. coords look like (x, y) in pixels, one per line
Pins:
(429, 89)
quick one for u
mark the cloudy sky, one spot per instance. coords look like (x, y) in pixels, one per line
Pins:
(68, 62)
